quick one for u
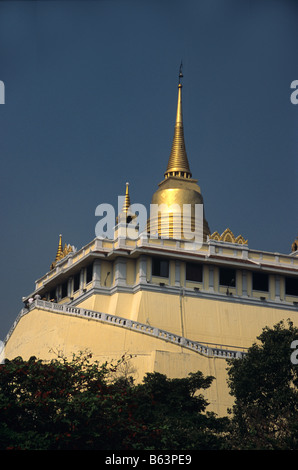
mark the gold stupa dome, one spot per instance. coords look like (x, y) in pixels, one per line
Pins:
(178, 188)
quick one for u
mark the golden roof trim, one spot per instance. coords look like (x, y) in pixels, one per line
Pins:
(228, 237)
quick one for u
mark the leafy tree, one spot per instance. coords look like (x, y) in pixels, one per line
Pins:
(80, 404)
(176, 409)
(264, 384)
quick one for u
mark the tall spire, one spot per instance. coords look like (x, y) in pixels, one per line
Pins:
(125, 215)
(59, 254)
(178, 163)
(126, 200)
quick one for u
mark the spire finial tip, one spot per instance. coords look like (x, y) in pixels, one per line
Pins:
(180, 72)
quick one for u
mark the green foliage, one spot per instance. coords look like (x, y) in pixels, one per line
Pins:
(264, 384)
(175, 409)
(81, 404)
(78, 404)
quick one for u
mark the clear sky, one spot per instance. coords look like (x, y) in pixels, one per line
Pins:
(90, 103)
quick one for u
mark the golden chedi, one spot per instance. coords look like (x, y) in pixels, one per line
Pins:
(178, 194)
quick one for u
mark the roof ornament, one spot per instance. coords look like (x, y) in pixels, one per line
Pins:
(61, 252)
(126, 215)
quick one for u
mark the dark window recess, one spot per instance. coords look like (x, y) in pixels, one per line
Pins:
(260, 282)
(64, 289)
(160, 267)
(89, 273)
(291, 286)
(227, 277)
(194, 272)
(53, 294)
(76, 282)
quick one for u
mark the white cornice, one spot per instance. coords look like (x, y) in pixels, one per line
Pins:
(96, 249)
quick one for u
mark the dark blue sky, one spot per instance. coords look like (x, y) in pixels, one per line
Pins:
(91, 90)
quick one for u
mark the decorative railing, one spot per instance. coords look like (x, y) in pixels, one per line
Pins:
(205, 349)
